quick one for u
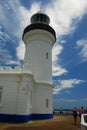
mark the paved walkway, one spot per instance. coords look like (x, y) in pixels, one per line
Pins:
(57, 123)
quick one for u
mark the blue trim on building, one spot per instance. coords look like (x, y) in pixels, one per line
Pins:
(14, 118)
(41, 116)
(23, 118)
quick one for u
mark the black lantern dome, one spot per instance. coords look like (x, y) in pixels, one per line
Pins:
(39, 21)
(40, 17)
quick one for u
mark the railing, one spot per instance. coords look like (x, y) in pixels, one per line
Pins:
(62, 112)
(5, 69)
(84, 122)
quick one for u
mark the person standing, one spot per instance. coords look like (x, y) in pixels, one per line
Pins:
(81, 111)
(75, 114)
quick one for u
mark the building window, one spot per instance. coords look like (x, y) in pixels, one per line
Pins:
(47, 103)
(1, 93)
(30, 98)
(47, 55)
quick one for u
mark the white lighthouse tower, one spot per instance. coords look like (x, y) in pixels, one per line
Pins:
(26, 92)
(39, 38)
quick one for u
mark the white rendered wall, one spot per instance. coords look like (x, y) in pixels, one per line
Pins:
(25, 96)
(42, 92)
(16, 94)
(9, 94)
(38, 44)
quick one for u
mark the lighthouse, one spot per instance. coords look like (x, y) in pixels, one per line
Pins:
(39, 37)
(26, 92)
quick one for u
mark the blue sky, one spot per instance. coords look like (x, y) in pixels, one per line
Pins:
(69, 54)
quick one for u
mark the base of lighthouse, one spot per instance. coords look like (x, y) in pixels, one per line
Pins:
(22, 99)
(42, 104)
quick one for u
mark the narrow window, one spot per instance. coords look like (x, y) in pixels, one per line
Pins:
(0, 94)
(30, 98)
(47, 55)
(47, 103)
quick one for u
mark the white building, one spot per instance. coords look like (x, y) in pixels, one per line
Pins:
(26, 93)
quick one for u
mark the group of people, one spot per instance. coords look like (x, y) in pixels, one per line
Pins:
(77, 112)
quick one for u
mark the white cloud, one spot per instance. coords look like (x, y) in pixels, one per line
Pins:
(24, 21)
(56, 51)
(21, 50)
(14, 19)
(3, 37)
(10, 62)
(64, 15)
(65, 84)
(10, 19)
(6, 56)
(82, 44)
(26, 14)
(61, 12)
(4, 53)
(64, 12)
(57, 69)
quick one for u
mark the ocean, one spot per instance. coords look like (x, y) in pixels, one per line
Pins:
(64, 112)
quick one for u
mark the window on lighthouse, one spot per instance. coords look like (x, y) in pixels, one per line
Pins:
(47, 103)
(0, 94)
(47, 55)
